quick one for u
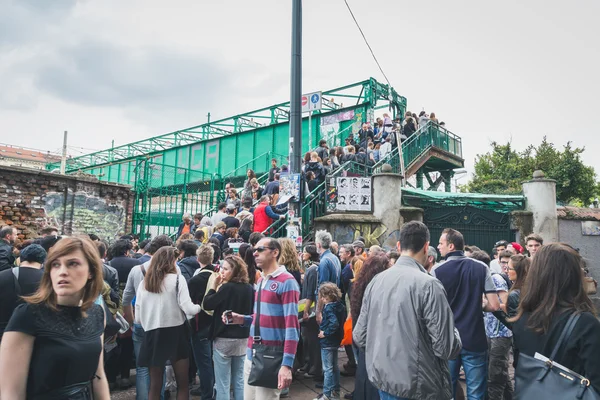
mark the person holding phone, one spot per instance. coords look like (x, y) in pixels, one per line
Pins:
(230, 292)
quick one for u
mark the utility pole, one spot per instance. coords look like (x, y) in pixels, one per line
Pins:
(294, 227)
(296, 89)
(63, 160)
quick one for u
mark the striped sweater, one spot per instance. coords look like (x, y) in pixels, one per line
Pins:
(278, 314)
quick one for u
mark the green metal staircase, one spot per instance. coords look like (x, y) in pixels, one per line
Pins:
(431, 148)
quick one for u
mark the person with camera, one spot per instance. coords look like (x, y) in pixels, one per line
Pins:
(229, 292)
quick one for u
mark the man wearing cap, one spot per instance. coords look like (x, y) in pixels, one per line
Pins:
(359, 249)
(230, 220)
(20, 281)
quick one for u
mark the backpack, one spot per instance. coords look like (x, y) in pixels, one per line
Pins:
(508, 282)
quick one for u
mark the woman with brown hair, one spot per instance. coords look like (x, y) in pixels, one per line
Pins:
(518, 267)
(230, 291)
(250, 174)
(372, 266)
(162, 305)
(551, 294)
(53, 344)
(290, 259)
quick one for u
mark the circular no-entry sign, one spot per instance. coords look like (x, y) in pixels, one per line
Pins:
(304, 100)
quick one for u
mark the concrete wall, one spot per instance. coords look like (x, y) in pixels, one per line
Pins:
(31, 200)
(589, 247)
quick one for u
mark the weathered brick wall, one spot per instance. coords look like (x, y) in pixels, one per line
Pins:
(31, 200)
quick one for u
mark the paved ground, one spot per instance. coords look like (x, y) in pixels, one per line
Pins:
(302, 389)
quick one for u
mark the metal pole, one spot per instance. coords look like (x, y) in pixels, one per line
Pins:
(296, 89)
(296, 118)
(63, 160)
(310, 130)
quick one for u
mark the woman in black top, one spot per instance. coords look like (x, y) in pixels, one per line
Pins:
(229, 341)
(57, 335)
(518, 266)
(554, 291)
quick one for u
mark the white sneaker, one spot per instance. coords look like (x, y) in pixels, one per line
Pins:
(322, 396)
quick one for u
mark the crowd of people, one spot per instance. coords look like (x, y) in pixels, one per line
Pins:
(244, 314)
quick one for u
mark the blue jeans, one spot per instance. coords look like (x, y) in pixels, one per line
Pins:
(228, 370)
(202, 348)
(475, 366)
(331, 370)
(142, 378)
(386, 396)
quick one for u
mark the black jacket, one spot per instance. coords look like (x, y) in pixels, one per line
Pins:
(363, 158)
(111, 276)
(123, 265)
(316, 169)
(7, 259)
(237, 297)
(197, 286)
(188, 266)
(348, 157)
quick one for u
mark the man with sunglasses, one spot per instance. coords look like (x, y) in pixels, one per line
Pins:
(279, 294)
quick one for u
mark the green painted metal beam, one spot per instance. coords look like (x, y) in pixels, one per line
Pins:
(370, 91)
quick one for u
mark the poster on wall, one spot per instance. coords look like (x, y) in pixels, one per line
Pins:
(353, 194)
(590, 228)
(289, 187)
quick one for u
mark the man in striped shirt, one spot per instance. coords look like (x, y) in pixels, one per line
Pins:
(278, 317)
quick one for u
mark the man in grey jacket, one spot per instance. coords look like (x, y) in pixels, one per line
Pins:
(407, 326)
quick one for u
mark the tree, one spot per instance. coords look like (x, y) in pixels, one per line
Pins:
(503, 169)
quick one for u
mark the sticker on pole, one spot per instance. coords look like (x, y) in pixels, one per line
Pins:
(311, 102)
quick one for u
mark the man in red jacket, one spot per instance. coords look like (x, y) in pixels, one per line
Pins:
(264, 215)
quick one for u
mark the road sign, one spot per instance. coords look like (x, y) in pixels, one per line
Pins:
(311, 102)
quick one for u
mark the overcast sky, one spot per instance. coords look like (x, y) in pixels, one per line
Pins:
(127, 70)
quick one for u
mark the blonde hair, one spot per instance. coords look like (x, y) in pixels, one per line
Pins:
(289, 256)
(93, 287)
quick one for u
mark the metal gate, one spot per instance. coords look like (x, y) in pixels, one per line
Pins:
(480, 227)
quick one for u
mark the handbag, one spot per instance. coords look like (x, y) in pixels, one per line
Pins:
(540, 377)
(266, 359)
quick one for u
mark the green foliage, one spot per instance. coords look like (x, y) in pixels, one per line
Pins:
(503, 169)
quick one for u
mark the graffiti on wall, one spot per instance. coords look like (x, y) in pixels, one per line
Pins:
(83, 213)
(374, 234)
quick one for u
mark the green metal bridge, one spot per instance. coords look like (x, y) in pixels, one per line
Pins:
(186, 171)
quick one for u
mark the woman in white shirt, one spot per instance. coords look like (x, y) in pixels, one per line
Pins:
(162, 306)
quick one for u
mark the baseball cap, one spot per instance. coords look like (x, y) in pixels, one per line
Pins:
(230, 206)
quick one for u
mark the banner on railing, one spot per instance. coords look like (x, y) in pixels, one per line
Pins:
(350, 194)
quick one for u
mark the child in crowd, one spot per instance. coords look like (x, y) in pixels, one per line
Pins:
(331, 333)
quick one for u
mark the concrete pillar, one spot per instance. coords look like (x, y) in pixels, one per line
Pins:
(387, 199)
(540, 199)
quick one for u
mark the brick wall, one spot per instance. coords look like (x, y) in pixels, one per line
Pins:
(31, 200)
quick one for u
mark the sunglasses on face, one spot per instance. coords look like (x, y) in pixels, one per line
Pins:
(260, 249)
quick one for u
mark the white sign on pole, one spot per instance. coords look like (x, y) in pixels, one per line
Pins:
(311, 102)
